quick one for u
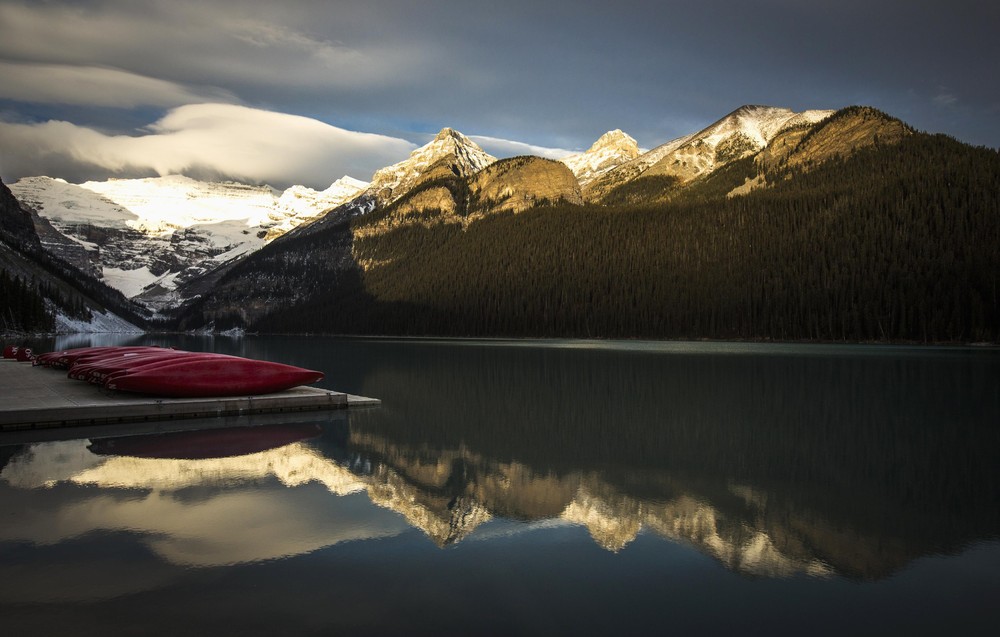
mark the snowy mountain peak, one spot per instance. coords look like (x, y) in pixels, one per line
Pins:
(446, 133)
(745, 131)
(758, 123)
(450, 152)
(449, 141)
(611, 149)
(346, 184)
(618, 140)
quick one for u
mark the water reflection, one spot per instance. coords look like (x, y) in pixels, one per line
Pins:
(774, 466)
(237, 507)
(850, 460)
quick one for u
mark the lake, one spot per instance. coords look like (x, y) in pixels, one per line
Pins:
(532, 487)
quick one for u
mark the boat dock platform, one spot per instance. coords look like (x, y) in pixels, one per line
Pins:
(42, 398)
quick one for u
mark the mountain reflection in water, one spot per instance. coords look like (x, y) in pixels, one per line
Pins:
(446, 494)
(855, 461)
(772, 465)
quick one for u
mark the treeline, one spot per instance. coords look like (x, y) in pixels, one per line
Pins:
(73, 291)
(22, 306)
(304, 264)
(39, 280)
(895, 243)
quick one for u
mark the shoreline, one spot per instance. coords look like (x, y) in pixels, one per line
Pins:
(636, 343)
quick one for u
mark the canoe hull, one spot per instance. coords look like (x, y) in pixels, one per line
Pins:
(216, 376)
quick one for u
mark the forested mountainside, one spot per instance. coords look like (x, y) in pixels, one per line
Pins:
(895, 243)
(854, 228)
(39, 290)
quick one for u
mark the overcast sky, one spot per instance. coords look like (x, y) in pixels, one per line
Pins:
(305, 91)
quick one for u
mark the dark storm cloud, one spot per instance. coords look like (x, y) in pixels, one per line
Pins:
(553, 74)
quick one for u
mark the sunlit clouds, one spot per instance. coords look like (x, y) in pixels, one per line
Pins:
(208, 141)
(81, 81)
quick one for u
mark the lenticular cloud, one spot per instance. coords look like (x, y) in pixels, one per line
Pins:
(203, 140)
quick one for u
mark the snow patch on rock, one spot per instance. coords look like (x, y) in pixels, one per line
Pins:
(156, 230)
(392, 182)
(100, 323)
(611, 150)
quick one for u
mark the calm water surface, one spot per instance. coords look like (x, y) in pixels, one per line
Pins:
(519, 487)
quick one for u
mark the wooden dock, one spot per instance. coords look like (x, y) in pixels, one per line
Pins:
(42, 398)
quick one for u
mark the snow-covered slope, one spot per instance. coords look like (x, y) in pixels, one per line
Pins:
(299, 203)
(165, 204)
(450, 152)
(160, 231)
(67, 204)
(745, 131)
(758, 123)
(607, 181)
(105, 322)
(609, 151)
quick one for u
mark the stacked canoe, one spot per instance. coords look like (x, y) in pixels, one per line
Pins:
(159, 371)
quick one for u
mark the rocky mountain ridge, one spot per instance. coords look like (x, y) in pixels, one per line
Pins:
(611, 150)
(129, 230)
(746, 131)
(146, 236)
(333, 249)
(62, 297)
(449, 154)
(513, 185)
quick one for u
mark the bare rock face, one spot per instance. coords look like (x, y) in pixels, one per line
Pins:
(147, 237)
(438, 199)
(513, 184)
(851, 129)
(600, 187)
(782, 146)
(744, 132)
(520, 183)
(842, 134)
(611, 150)
(449, 154)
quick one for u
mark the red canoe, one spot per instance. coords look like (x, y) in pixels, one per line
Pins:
(147, 363)
(97, 372)
(89, 361)
(214, 376)
(208, 443)
(110, 354)
(10, 351)
(68, 357)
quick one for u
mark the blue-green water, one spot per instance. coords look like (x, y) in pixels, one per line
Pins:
(533, 487)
